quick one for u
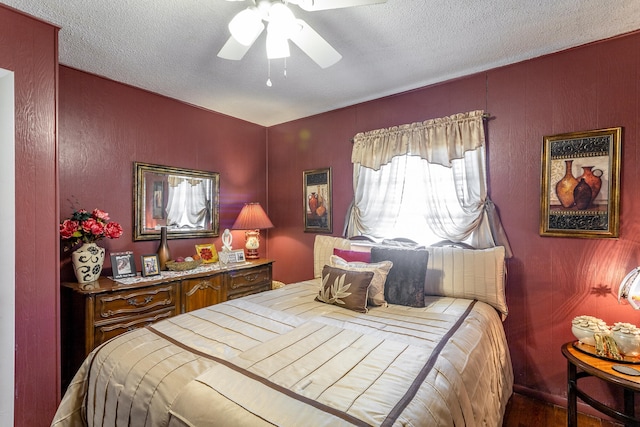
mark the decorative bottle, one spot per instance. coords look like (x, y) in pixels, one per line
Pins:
(565, 187)
(593, 179)
(313, 203)
(164, 254)
(582, 195)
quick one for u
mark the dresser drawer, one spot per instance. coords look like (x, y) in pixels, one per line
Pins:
(248, 290)
(107, 331)
(132, 302)
(248, 278)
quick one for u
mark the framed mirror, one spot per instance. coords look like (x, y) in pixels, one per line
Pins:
(186, 201)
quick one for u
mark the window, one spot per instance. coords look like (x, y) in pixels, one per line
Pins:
(425, 181)
(401, 208)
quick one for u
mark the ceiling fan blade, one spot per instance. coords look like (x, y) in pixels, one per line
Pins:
(312, 43)
(233, 50)
(313, 5)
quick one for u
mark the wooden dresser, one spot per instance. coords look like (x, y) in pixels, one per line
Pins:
(92, 313)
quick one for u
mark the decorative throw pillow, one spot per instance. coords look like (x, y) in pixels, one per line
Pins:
(352, 256)
(380, 271)
(468, 273)
(405, 281)
(323, 249)
(344, 288)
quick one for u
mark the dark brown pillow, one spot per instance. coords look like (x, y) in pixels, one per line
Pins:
(344, 288)
(405, 281)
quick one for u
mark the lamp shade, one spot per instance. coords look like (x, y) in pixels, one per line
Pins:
(630, 288)
(252, 217)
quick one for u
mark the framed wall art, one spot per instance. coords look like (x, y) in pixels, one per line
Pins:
(123, 265)
(580, 194)
(150, 265)
(317, 199)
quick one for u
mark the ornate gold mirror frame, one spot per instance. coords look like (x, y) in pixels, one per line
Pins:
(186, 201)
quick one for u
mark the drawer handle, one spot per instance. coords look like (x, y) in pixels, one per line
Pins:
(134, 301)
(251, 277)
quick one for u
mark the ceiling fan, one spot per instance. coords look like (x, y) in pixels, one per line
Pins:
(282, 26)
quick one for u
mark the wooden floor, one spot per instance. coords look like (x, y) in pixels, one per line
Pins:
(526, 412)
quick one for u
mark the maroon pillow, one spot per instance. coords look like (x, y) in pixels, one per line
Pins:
(353, 256)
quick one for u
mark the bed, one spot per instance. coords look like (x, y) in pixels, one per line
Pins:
(287, 358)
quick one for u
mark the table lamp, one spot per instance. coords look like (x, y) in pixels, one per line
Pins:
(630, 289)
(252, 219)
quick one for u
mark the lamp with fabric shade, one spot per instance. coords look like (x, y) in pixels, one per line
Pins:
(252, 219)
(630, 289)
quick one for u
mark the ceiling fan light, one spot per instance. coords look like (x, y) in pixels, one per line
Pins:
(246, 26)
(281, 19)
(277, 45)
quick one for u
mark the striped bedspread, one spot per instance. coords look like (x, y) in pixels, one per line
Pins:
(281, 358)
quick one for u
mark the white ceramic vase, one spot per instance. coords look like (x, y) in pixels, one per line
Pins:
(87, 262)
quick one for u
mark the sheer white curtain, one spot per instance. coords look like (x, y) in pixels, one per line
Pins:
(187, 204)
(425, 181)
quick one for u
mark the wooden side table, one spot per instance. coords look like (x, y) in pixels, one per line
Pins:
(592, 366)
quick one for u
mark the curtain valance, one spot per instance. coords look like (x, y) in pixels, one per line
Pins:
(436, 140)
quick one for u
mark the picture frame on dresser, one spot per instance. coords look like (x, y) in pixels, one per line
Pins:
(317, 200)
(123, 265)
(207, 253)
(232, 257)
(150, 265)
(580, 191)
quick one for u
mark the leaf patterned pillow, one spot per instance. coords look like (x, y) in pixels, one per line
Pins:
(380, 272)
(344, 288)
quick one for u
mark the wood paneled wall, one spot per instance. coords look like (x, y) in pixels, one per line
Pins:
(551, 280)
(28, 47)
(105, 126)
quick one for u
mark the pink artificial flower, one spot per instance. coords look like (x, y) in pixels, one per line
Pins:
(93, 227)
(113, 230)
(97, 229)
(100, 215)
(67, 228)
(83, 227)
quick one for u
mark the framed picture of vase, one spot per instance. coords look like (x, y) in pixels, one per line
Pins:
(580, 194)
(317, 200)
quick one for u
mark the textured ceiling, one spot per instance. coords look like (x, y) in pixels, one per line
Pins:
(170, 46)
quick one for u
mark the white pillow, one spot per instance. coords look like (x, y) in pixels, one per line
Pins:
(380, 271)
(323, 249)
(468, 273)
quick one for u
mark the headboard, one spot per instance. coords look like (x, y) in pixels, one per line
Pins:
(451, 271)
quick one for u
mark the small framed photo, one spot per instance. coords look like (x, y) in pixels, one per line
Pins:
(580, 195)
(317, 200)
(150, 265)
(233, 256)
(123, 265)
(207, 253)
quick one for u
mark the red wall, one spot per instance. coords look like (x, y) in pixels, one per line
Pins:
(106, 126)
(551, 280)
(28, 47)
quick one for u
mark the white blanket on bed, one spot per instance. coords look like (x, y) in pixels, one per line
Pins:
(281, 358)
